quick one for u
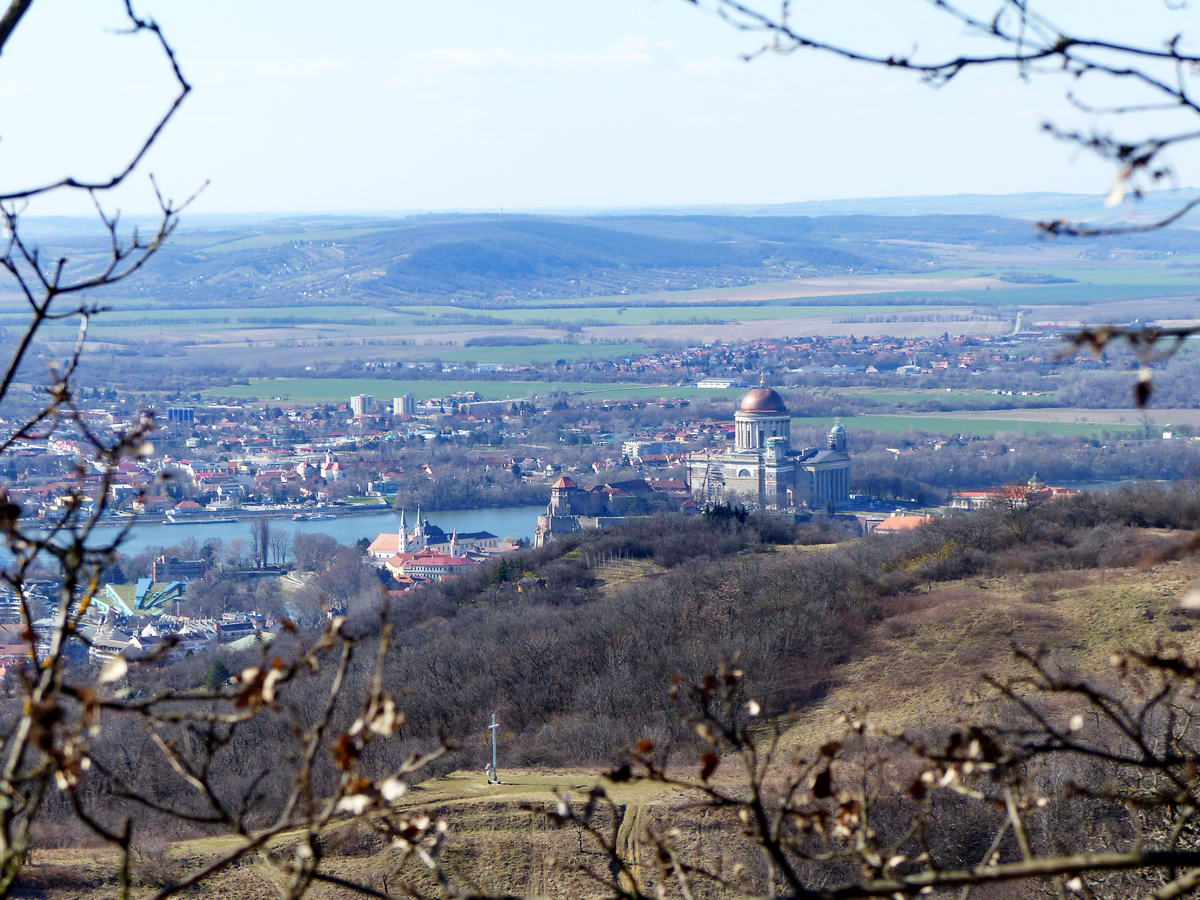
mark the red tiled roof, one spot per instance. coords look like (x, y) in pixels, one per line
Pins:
(903, 523)
(387, 542)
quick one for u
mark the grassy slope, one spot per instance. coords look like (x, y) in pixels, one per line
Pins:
(922, 664)
(925, 662)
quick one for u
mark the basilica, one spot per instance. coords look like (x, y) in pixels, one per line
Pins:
(764, 470)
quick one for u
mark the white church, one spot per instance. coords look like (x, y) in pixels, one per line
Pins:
(427, 536)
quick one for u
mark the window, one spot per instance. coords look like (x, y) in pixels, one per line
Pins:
(744, 473)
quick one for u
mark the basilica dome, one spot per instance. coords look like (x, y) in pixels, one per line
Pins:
(762, 400)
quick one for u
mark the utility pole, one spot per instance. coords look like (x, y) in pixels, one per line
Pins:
(493, 728)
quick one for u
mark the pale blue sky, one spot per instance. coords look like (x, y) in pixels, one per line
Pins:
(369, 105)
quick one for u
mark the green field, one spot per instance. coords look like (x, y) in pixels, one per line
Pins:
(1031, 295)
(950, 425)
(1181, 270)
(347, 320)
(651, 315)
(237, 317)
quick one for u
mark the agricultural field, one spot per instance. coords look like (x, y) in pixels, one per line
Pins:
(270, 338)
(653, 315)
(1030, 295)
(977, 285)
(985, 423)
(231, 327)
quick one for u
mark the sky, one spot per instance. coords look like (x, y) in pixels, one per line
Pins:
(401, 105)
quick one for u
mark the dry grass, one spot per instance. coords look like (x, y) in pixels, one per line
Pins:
(925, 662)
(618, 572)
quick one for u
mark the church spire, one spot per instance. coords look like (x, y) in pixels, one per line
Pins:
(403, 545)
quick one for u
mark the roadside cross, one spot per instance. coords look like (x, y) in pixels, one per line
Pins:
(493, 728)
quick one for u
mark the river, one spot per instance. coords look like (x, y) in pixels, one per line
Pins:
(504, 521)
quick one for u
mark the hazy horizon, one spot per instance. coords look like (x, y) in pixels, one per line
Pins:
(193, 216)
(534, 105)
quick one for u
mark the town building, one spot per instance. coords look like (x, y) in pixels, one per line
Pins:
(404, 405)
(429, 564)
(362, 404)
(172, 568)
(184, 415)
(636, 449)
(1012, 495)
(332, 468)
(764, 470)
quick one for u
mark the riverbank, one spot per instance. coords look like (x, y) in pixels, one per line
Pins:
(282, 513)
(504, 522)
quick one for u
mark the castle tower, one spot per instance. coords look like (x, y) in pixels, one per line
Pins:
(560, 496)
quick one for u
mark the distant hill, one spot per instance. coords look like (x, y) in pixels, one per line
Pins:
(523, 257)
(1033, 206)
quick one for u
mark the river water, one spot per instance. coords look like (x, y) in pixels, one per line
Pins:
(504, 521)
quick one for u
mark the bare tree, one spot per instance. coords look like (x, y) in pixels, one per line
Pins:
(260, 540)
(877, 814)
(281, 546)
(47, 750)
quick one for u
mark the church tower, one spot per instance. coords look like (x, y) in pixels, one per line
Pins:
(402, 546)
(420, 533)
(837, 438)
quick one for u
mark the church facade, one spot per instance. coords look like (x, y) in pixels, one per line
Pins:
(427, 536)
(764, 470)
